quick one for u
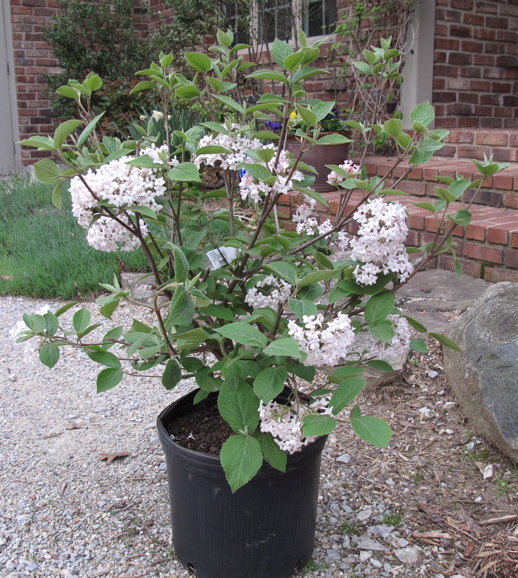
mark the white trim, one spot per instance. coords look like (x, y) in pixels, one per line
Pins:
(11, 82)
(418, 68)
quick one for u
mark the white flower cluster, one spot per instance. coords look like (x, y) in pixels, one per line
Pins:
(251, 188)
(304, 210)
(339, 247)
(311, 227)
(380, 241)
(323, 345)
(400, 343)
(122, 186)
(236, 143)
(284, 422)
(278, 293)
(349, 167)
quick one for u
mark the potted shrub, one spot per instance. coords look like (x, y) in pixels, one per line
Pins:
(248, 307)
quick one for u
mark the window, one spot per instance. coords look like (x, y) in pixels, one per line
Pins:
(271, 19)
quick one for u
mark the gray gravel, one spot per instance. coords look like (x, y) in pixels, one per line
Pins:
(64, 512)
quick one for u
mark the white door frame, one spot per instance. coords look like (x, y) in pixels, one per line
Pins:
(417, 72)
(10, 157)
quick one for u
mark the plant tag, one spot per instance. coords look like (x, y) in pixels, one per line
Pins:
(222, 256)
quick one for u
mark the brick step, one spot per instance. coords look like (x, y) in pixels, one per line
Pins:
(500, 190)
(468, 143)
(487, 247)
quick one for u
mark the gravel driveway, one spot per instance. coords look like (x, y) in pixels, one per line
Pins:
(65, 512)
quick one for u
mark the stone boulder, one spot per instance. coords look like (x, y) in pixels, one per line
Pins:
(484, 377)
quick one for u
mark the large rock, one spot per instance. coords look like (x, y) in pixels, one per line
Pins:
(484, 378)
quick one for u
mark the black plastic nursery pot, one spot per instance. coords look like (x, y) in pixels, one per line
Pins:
(264, 530)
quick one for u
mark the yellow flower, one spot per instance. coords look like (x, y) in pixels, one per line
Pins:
(294, 115)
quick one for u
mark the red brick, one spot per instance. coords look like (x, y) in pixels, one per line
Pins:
(470, 268)
(414, 188)
(483, 252)
(511, 258)
(511, 199)
(492, 138)
(514, 239)
(497, 275)
(503, 182)
(499, 233)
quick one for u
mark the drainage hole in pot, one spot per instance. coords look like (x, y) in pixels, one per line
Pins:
(299, 567)
(191, 569)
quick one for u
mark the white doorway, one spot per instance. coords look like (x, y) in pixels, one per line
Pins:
(9, 151)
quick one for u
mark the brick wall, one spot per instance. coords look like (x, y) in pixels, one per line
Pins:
(32, 58)
(476, 64)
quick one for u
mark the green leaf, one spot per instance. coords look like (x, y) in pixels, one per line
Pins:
(318, 425)
(47, 171)
(230, 103)
(172, 374)
(380, 365)
(285, 346)
(383, 331)
(303, 371)
(181, 310)
(104, 358)
(303, 307)
(241, 458)
(218, 311)
(181, 265)
(269, 75)
(109, 307)
(143, 85)
(199, 61)
(446, 341)
(216, 127)
(65, 308)
(188, 91)
(308, 116)
(64, 130)
(243, 333)
(294, 60)
(418, 345)
(270, 382)
(56, 195)
(69, 92)
(315, 277)
(333, 139)
(363, 67)
(223, 38)
(49, 355)
(259, 172)
(108, 378)
(112, 336)
(239, 406)
(185, 172)
(81, 320)
(207, 381)
(345, 392)
(371, 429)
(379, 307)
(417, 325)
(426, 206)
(422, 113)
(461, 217)
(272, 452)
(280, 51)
(284, 270)
(41, 142)
(444, 194)
(393, 127)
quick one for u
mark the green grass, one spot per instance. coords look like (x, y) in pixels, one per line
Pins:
(43, 251)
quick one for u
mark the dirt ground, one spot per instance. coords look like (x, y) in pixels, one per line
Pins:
(458, 496)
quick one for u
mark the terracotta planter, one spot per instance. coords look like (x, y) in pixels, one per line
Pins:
(319, 157)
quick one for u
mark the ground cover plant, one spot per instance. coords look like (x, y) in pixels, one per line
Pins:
(43, 252)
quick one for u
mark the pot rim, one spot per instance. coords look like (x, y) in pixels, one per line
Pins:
(213, 461)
